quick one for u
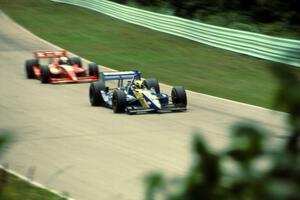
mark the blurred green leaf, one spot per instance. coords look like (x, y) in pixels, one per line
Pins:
(246, 143)
(282, 190)
(6, 137)
(154, 183)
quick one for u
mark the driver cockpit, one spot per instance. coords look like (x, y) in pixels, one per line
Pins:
(64, 61)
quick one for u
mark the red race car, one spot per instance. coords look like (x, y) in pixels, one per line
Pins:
(59, 68)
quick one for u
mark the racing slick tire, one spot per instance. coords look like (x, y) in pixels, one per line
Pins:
(178, 95)
(93, 70)
(152, 83)
(96, 98)
(29, 64)
(77, 61)
(119, 101)
(45, 74)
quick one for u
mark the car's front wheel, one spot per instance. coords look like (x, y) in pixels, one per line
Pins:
(95, 95)
(29, 64)
(93, 70)
(179, 98)
(119, 101)
(45, 74)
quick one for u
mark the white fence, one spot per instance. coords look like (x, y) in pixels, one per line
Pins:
(262, 46)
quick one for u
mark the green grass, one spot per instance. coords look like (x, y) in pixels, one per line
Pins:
(124, 46)
(13, 188)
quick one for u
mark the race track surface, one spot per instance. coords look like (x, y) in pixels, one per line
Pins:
(90, 152)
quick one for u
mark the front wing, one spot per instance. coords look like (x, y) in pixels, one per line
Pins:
(167, 108)
(77, 80)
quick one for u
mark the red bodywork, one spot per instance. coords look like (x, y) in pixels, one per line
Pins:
(70, 73)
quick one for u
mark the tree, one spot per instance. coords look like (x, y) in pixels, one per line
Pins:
(121, 1)
(150, 2)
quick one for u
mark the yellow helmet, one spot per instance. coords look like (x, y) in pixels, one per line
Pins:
(138, 83)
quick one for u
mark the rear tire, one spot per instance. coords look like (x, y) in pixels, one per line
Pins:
(95, 93)
(29, 64)
(119, 101)
(178, 95)
(93, 70)
(152, 83)
(77, 61)
(45, 74)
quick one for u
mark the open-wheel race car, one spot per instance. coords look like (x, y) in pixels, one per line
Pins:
(134, 95)
(59, 68)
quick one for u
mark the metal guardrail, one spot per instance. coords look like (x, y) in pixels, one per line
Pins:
(276, 49)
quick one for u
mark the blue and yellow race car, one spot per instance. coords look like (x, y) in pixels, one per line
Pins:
(134, 95)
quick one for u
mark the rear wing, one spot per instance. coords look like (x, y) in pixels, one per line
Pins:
(105, 76)
(50, 54)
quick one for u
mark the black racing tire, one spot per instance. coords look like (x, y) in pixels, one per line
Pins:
(119, 101)
(152, 83)
(45, 74)
(179, 98)
(95, 93)
(93, 70)
(29, 64)
(77, 61)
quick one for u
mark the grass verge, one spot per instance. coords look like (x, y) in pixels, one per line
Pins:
(13, 188)
(124, 46)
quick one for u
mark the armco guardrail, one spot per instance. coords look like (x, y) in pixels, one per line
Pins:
(262, 46)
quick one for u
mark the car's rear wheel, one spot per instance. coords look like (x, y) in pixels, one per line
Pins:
(178, 95)
(119, 101)
(93, 70)
(45, 74)
(152, 83)
(96, 98)
(29, 64)
(77, 61)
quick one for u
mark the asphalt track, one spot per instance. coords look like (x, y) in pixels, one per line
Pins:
(90, 152)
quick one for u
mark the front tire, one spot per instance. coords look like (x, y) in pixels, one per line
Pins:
(96, 98)
(179, 98)
(93, 70)
(119, 101)
(45, 74)
(152, 83)
(29, 64)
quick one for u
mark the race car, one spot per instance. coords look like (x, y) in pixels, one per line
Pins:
(59, 68)
(134, 95)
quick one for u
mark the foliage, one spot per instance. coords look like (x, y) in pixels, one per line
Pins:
(5, 139)
(265, 11)
(260, 10)
(258, 13)
(121, 1)
(249, 169)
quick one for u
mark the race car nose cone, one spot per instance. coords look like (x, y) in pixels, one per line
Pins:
(152, 101)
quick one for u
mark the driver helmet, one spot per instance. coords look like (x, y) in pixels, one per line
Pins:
(64, 61)
(138, 84)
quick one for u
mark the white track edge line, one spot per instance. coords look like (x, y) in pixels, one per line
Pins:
(210, 96)
(34, 183)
